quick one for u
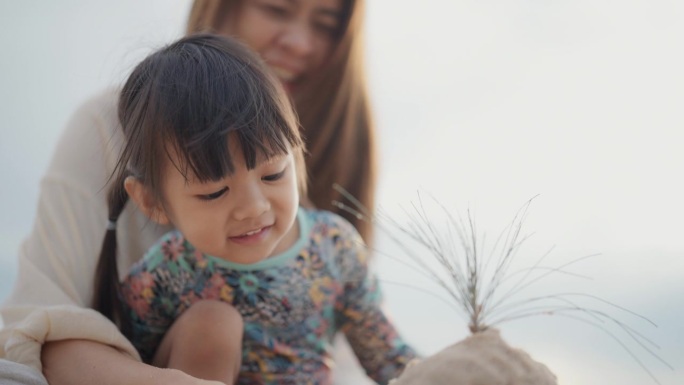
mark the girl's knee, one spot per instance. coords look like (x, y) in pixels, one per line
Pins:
(209, 310)
(213, 318)
(205, 328)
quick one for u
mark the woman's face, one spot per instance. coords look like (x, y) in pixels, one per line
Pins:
(294, 37)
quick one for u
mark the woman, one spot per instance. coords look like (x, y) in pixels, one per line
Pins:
(313, 46)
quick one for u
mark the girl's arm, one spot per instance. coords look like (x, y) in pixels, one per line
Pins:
(81, 362)
(372, 336)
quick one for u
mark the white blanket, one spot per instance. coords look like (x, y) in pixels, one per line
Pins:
(12, 373)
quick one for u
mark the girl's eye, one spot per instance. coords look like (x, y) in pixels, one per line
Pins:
(214, 195)
(274, 177)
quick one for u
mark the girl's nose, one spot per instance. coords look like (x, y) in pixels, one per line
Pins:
(298, 39)
(251, 203)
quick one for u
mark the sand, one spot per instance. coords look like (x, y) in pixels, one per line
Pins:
(481, 359)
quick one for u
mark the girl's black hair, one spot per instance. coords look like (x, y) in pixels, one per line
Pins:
(179, 105)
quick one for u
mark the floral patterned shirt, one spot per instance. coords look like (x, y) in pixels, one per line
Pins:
(292, 304)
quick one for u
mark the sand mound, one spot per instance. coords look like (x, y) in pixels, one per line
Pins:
(481, 359)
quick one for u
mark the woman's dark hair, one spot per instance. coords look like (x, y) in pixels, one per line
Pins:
(178, 107)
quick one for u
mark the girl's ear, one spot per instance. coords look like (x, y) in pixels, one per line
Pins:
(145, 201)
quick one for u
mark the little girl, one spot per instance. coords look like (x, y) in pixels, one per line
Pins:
(213, 148)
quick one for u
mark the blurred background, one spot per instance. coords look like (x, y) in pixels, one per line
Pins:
(481, 104)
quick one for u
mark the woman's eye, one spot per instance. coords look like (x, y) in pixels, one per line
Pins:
(274, 177)
(328, 29)
(214, 195)
(276, 10)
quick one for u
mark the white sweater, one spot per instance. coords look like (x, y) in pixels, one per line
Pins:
(54, 286)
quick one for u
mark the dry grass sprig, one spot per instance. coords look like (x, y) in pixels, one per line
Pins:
(481, 284)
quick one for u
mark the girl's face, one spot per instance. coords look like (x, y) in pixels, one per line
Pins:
(243, 218)
(294, 37)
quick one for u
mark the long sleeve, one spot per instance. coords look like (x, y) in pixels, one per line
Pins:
(57, 261)
(372, 336)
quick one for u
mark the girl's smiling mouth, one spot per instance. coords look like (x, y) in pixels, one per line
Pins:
(252, 236)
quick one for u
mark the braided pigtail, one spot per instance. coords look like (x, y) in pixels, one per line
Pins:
(106, 299)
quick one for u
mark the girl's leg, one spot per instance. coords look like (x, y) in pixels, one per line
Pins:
(204, 342)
